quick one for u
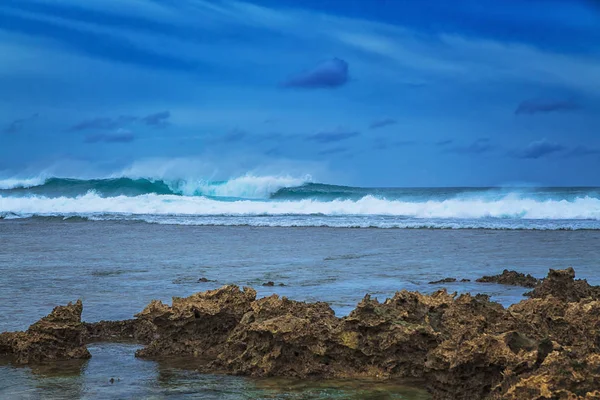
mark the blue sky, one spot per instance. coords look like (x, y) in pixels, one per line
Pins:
(361, 92)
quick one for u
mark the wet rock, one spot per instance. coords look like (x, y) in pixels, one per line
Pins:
(57, 336)
(138, 330)
(461, 347)
(198, 325)
(563, 285)
(512, 278)
(270, 283)
(465, 280)
(445, 280)
(205, 280)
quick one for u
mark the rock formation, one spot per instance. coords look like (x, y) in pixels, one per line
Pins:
(58, 336)
(460, 347)
(512, 278)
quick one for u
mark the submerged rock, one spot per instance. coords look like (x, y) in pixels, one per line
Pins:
(445, 280)
(512, 278)
(57, 336)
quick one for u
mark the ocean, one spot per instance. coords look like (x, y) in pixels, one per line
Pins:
(117, 243)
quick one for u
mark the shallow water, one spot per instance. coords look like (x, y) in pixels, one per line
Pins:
(117, 267)
(139, 379)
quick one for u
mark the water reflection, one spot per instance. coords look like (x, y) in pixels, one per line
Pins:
(114, 372)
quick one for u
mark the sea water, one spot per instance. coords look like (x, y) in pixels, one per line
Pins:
(118, 243)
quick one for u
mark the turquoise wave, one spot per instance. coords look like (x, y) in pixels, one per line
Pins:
(271, 188)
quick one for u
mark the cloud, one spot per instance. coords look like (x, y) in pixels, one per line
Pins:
(532, 107)
(582, 150)
(158, 119)
(121, 136)
(538, 149)
(382, 122)
(444, 142)
(330, 137)
(17, 125)
(327, 75)
(479, 146)
(103, 124)
(384, 143)
(334, 150)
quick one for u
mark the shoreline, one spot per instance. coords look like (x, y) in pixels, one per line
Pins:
(459, 346)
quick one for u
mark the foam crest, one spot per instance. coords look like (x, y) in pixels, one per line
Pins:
(509, 207)
(14, 183)
(247, 186)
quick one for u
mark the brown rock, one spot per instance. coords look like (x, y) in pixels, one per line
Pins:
(57, 336)
(138, 330)
(197, 325)
(445, 280)
(512, 278)
(562, 284)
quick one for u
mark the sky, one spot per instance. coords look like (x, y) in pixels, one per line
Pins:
(355, 92)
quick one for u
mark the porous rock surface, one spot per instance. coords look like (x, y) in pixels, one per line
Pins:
(512, 278)
(459, 347)
(57, 336)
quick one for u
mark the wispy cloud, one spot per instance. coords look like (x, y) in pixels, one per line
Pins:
(582, 151)
(334, 150)
(17, 125)
(385, 143)
(121, 136)
(479, 146)
(332, 136)
(327, 75)
(444, 142)
(539, 149)
(382, 123)
(532, 107)
(159, 119)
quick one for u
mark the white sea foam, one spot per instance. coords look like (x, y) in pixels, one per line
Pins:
(247, 186)
(509, 207)
(13, 183)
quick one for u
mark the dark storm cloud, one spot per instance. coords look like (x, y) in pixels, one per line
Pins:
(531, 107)
(539, 149)
(331, 137)
(116, 137)
(382, 122)
(17, 125)
(327, 75)
(479, 146)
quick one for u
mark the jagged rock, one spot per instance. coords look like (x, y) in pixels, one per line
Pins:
(197, 325)
(445, 280)
(131, 329)
(512, 278)
(57, 336)
(562, 284)
(461, 347)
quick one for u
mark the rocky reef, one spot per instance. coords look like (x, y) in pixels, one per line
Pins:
(512, 278)
(58, 336)
(459, 347)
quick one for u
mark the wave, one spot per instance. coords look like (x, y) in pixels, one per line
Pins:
(509, 207)
(245, 187)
